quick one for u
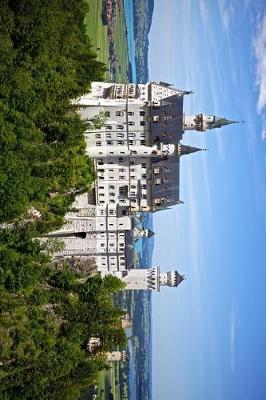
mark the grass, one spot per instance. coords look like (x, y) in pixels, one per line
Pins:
(97, 32)
(121, 45)
(106, 383)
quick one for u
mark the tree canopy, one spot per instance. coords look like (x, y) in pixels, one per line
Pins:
(47, 314)
(45, 62)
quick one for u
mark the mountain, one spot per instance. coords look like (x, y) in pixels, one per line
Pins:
(143, 11)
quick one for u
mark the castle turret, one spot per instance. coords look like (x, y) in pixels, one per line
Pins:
(202, 122)
(148, 279)
(171, 278)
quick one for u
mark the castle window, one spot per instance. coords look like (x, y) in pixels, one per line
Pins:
(142, 123)
(142, 113)
(143, 142)
(120, 142)
(130, 113)
(120, 159)
(107, 113)
(131, 123)
(120, 135)
(109, 142)
(108, 135)
(131, 135)
(98, 136)
(109, 127)
(120, 127)
(98, 143)
(119, 113)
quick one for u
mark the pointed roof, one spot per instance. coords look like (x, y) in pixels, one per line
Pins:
(145, 232)
(150, 233)
(184, 149)
(219, 122)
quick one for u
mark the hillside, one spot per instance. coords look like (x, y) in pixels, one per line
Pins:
(143, 11)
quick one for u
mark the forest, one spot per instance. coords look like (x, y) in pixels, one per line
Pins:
(48, 311)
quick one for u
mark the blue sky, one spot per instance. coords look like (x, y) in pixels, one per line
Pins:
(209, 335)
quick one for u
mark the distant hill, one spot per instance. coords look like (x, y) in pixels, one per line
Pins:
(143, 11)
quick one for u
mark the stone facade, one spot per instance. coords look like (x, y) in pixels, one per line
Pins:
(134, 134)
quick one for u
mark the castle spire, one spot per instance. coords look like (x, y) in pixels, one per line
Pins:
(202, 122)
(183, 149)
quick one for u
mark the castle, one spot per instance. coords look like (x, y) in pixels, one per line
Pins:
(133, 134)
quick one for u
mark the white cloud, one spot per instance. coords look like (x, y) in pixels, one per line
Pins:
(259, 46)
(227, 13)
(263, 132)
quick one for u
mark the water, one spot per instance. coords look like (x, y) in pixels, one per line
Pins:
(129, 16)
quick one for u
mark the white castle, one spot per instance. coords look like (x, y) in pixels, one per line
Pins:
(134, 134)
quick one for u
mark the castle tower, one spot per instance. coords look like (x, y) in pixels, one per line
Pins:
(94, 345)
(148, 279)
(126, 321)
(115, 356)
(202, 122)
